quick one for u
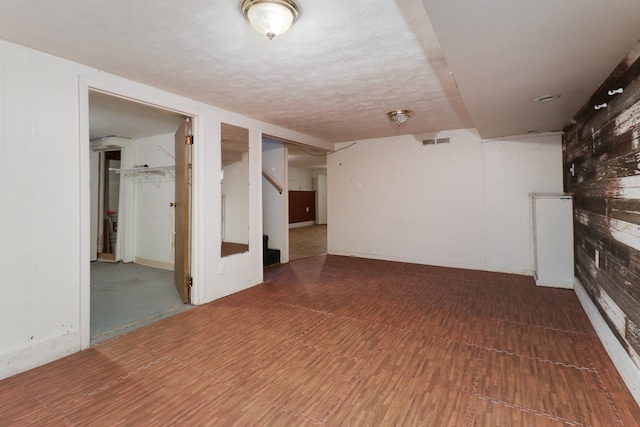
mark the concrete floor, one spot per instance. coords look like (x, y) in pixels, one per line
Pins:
(126, 296)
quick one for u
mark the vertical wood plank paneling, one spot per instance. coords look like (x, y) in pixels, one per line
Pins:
(601, 156)
(302, 206)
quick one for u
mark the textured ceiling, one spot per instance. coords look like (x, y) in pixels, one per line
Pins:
(344, 64)
(334, 75)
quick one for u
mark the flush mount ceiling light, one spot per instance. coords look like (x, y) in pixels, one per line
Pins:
(270, 17)
(399, 117)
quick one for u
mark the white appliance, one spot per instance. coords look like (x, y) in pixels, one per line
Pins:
(553, 239)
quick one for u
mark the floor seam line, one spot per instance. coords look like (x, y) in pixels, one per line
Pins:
(600, 383)
(530, 411)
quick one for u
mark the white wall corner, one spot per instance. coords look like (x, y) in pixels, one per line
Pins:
(627, 369)
(38, 354)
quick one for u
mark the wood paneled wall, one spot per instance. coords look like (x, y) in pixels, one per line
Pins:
(601, 156)
(302, 206)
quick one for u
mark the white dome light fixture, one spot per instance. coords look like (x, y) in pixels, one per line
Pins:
(270, 17)
(399, 117)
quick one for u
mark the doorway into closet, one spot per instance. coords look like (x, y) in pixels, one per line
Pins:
(140, 204)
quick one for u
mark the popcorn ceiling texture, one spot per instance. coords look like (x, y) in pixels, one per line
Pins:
(333, 76)
(344, 64)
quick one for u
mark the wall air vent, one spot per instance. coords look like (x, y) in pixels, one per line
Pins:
(435, 141)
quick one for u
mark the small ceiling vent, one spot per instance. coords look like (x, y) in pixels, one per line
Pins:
(435, 141)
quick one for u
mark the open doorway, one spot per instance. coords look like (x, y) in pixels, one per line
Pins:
(140, 204)
(108, 198)
(294, 177)
(307, 196)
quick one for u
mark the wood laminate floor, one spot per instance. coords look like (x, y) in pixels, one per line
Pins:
(305, 242)
(337, 341)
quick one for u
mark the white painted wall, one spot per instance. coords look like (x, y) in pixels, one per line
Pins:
(39, 209)
(45, 202)
(154, 240)
(300, 179)
(463, 204)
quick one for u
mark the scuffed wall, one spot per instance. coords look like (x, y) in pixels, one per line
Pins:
(601, 159)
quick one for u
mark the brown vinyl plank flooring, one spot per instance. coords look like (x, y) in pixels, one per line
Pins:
(338, 341)
(305, 242)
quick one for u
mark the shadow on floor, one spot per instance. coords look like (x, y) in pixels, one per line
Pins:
(305, 242)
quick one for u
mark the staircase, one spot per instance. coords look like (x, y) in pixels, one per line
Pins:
(269, 256)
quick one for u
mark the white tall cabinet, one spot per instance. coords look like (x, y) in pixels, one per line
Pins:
(553, 239)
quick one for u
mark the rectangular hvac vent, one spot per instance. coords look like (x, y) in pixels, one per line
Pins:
(435, 141)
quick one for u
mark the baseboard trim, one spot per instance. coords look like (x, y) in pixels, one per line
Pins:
(628, 370)
(554, 284)
(38, 354)
(155, 264)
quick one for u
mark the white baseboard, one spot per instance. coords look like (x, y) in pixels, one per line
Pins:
(628, 370)
(554, 284)
(155, 264)
(38, 354)
(301, 224)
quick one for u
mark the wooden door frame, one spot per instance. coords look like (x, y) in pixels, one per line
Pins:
(182, 210)
(113, 86)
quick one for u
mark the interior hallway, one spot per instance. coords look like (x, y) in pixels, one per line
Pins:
(305, 242)
(126, 296)
(344, 341)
